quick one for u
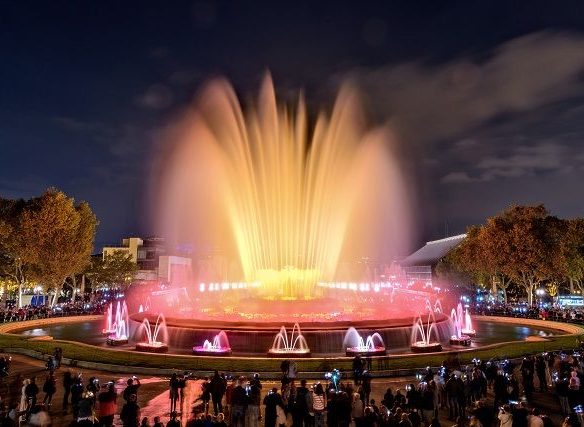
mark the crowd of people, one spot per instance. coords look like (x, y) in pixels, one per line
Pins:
(29, 312)
(456, 393)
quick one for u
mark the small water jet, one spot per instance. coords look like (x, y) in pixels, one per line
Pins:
(354, 344)
(462, 327)
(293, 345)
(152, 343)
(468, 329)
(219, 346)
(422, 335)
(109, 326)
(119, 333)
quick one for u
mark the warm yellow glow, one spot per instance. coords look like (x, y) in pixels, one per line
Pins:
(281, 195)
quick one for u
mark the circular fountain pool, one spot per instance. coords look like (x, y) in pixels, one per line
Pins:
(327, 343)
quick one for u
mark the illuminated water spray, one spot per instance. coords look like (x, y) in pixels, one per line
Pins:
(286, 199)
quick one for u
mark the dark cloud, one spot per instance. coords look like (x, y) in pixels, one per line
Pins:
(157, 97)
(428, 102)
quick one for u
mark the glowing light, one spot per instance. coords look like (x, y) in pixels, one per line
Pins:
(287, 200)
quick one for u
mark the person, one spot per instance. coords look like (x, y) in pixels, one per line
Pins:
(173, 391)
(157, 422)
(474, 422)
(174, 421)
(271, 401)
(145, 422)
(130, 414)
(520, 414)
(51, 364)
(319, 404)
(58, 355)
(22, 408)
(206, 394)
(31, 391)
(540, 368)
(388, 398)
(220, 422)
(107, 405)
(357, 410)
(505, 416)
(238, 403)
(76, 394)
(133, 384)
(404, 421)
(49, 388)
(534, 420)
(357, 369)
(39, 417)
(218, 387)
(300, 413)
(252, 412)
(435, 422)
(67, 383)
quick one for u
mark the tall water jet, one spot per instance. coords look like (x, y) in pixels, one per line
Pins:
(293, 345)
(119, 334)
(218, 347)
(282, 198)
(153, 343)
(354, 344)
(422, 333)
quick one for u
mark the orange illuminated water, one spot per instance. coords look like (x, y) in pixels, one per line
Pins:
(286, 200)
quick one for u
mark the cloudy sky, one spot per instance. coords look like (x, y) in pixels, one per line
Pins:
(486, 98)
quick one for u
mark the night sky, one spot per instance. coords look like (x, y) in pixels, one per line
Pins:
(486, 98)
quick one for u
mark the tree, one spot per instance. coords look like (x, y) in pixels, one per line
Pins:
(14, 246)
(527, 240)
(115, 269)
(61, 236)
(573, 253)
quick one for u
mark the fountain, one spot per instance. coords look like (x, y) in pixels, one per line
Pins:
(285, 346)
(354, 344)
(109, 326)
(468, 329)
(422, 335)
(119, 333)
(219, 346)
(152, 344)
(457, 318)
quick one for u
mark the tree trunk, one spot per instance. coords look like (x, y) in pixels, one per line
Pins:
(82, 288)
(19, 294)
(571, 286)
(494, 287)
(504, 295)
(530, 294)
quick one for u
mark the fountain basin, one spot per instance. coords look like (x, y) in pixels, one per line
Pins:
(463, 340)
(284, 353)
(200, 350)
(357, 351)
(423, 347)
(114, 340)
(152, 347)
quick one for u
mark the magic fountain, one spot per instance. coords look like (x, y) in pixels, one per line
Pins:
(354, 344)
(156, 338)
(281, 196)
(218, 347)
(293, 345)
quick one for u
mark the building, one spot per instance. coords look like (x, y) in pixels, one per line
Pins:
(153, 262)
(421, 265)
